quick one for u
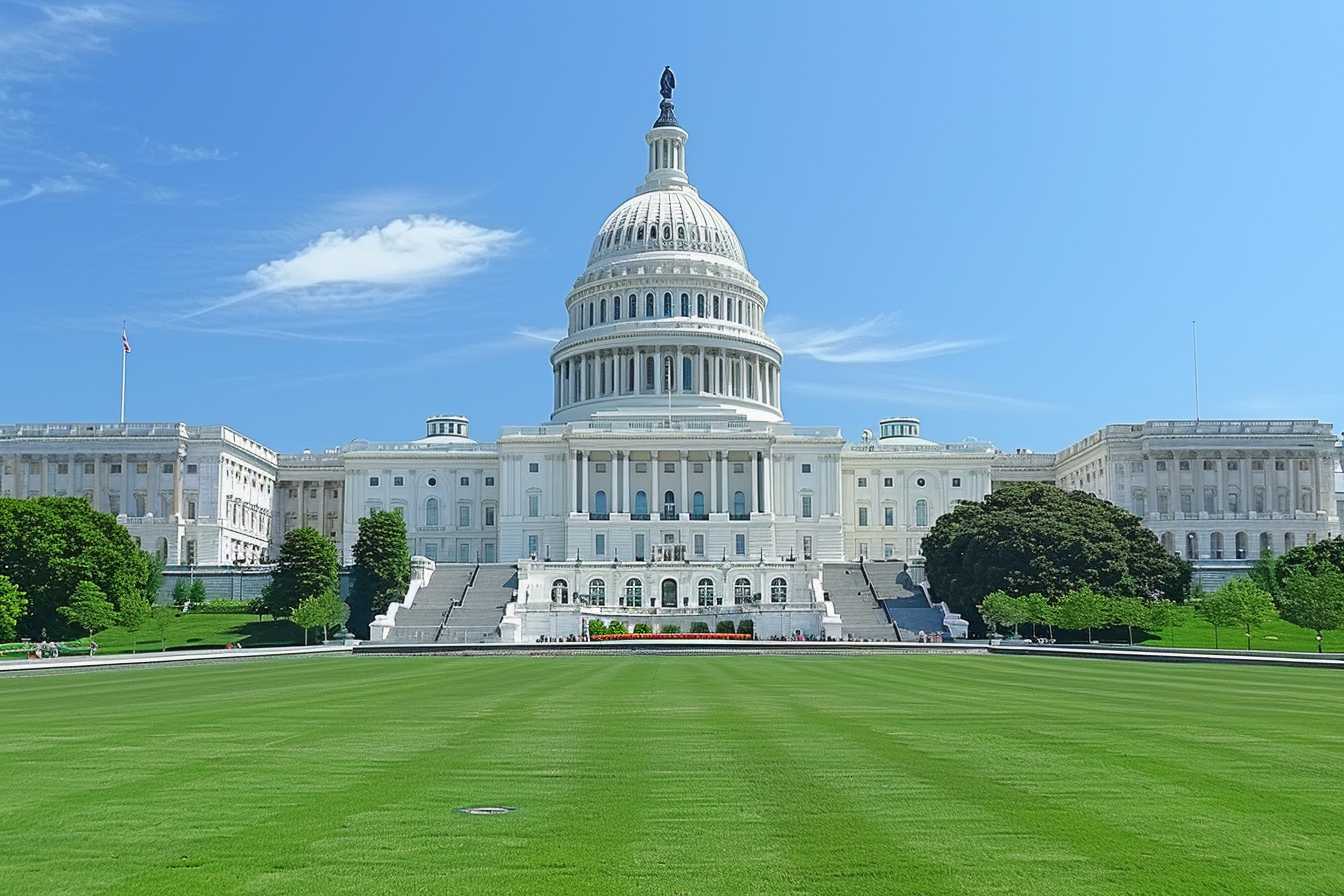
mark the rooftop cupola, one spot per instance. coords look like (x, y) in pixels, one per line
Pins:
(667, 144)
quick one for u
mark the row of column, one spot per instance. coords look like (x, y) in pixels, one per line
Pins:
(102, 485)
(579, 463)
(619, 372)
(1243, 478)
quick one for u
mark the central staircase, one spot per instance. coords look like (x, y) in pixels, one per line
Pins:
(861, 616)
(905, 603)
(475, 619)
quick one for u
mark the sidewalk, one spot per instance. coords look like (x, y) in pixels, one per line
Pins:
(76, 661)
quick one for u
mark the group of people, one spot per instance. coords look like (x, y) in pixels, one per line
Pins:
(929, 637)
(50, 650)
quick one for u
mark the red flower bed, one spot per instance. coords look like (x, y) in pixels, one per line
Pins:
(669, 636)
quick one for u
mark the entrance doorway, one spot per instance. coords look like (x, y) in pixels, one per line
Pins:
(669, 592)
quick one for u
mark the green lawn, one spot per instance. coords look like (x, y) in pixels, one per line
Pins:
(1277, 635)
(740, 775)
(192, 631)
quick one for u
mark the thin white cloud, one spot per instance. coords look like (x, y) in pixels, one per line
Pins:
(47, 186)
(50, 38)
(381, 265)
(870, 341)
(550, 335)
(908, 392)
(170, 153)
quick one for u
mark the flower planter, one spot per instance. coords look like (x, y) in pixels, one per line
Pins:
(662, 636)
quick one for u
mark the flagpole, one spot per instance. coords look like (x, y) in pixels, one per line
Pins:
(124, 353)
(1194, 345)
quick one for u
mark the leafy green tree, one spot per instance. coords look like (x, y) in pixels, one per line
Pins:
(1314, 601)
(196, 592)
(153, 578)
(1265, 571)
(160, 618)
(308, 567)
(1164, 615)
(382, 570)
(181, 593)
(49, 545)
(324, 611)
(1238, 602)
(1080, 609)
(1000, 608)
(12, 604)
(132, 613)
(1035, 538)
(596, 627)
(89, 609)
(1037, 610)
(1129, 612)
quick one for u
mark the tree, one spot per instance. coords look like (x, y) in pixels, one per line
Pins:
(596, 627)
(49, 545)
(1082, 608)
(382, 570)
(1165, 614)
(1238, 602)
(324, 611)
(153, 578)
(308, 567)
(1314, 601)
(132, 613)
(12, 604)
(196, 592)
(1129, 612)
(89, 609)
(1327, 553)
(181, 593)
(159, 620)
(1035, 538)
(1000, 608)
(1037, 610)
(1265, 571)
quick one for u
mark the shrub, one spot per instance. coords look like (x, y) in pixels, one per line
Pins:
(746, 627)
(671, 629)
(181, 592)
(617, 627)
(641, 628)
(222, 605)
(596, 627)
(196, 593)
(724, 627)
(699, 628)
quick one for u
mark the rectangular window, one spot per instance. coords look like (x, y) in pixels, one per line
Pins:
(863, 516)
(373, 481)
(534, 505)
(293, 493)
(142, 468)
(699, 545)
(464, 481)
(534, 468)
(1136, 466)
(489, 481)
(1280, 465)
(1210, 465)
(641, 468)
(1303, 466)
(600, 544)
(886, 482)
(956, 482)
(191, 468)
(1257, 465)
(740, 544)
(1184, 465)
(312, 493)
(1161, 466)
(1233, 465)
(489, 516)
(114, 504)
(531, 545)
(698, 468)
(62, 469)
(807, 547)
(116, 468)
(807, 468)
(639, 547)
(863, 482)
(464, 516)
(807, 507)
(88, 469)
(191, 510)
(599, 468)
(888, 516)
(669, 468)
(167, 468)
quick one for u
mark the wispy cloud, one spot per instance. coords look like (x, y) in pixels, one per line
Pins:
(171, 153)
(911, 392)
(870, 341)
(548, 335)
(340, 270)
(49, 38)
(47, 186)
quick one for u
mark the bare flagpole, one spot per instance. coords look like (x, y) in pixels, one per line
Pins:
(1194, 345)
(125, 350)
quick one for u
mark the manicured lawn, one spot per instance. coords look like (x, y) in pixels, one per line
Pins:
(1276, 635)
(740, 775)
(195, 631)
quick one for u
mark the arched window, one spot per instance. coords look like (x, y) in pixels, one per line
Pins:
(559, 592)
(641, 502)
(1239, 541)
(739, 504)
(716, 306)
(1191, 546)
(1168, 542)
(698, 504)
(634, 307)
(602, 311)
(1289, 542)
(667, 304)
(616, 308)
(649, 372)
(648, 305)
(669, 504)
(681, 232)
(634, 593)
(1265, 544)
(667, 231)
(686, 372)
(600, 502)
(704, 593)
(629, 233)
(685, 305)
(597, 593)
(1304, 500)
(432, 512)
(742, 591)
(700, 305)
(641, 232)
(921, 512)
(779, 591)
(1216, 545)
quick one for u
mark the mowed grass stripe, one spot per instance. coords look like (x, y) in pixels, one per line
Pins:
(675, 775)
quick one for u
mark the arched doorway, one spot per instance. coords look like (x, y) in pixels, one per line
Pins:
(669, 593)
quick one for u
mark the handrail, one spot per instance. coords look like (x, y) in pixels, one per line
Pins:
(873, 591)
(471, 580)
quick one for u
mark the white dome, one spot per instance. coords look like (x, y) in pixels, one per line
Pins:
(666, 220)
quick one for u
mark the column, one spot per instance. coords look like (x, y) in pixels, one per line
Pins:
(655, 499)
(677, 384)
(127, 495)
(658, 378)
(723, 475)
(44, 487)
(20, 476)
(177, 484)
(684, 504)
(714, 483)
(583, 494)
(768, 484)
(755, 489)
(625, 482)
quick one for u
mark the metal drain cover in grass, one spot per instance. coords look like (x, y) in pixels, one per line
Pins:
(487, 810)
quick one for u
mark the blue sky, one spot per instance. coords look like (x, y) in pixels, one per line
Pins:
(326, 221)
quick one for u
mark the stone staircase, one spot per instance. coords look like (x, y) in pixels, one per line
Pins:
(476, 618)
(904, 603)
(861, 616)
(422, 619)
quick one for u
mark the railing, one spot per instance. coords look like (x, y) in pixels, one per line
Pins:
(700, 517)
(471, 580)
(639, 517)
(668, 515)
(739, 517)
(599, 516)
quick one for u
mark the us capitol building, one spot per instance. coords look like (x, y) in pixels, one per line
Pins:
(667, 477)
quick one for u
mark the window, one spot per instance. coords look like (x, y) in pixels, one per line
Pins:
(739, 504)
(616, 308)
(639, 546)
(1257, 466)
(921, 512)
(685, 305)
(697, 468)
(807, 468)
(641, 503)
(888, 516)
(464, 516)
(191, 468)
(1136, 466)
(704, 593)
(648, 305)
(740, 544)
(698, 504)
(398, 481)
(432, 512)
(1210, 465)
(293, 493)
(559, 591)
(600, 544)
(886, 482)
(1187, 501)
(431, 482)
(191, 510)
(863, 516)
(1184, 466)
(669, 504)
(779, 591)
(532, 546)
(373, 481)
(144, 468)
(634, 593)
(534, 468)
(742, 591)
(489, 516)
(669, 468)
(1161, 466)
(699, 545)
(863, 482)
(599, 468)
(464, 481)
(1280, 465)
(667, 304)
(116, 468)
(489, 481)
(956, 482)
(534, 505)
(1302, 466)
(1233, 465)
(600, 503)
(1140, 505)
(919, 482)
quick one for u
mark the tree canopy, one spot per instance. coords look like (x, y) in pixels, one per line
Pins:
(49, 545)
(1239, 601)
(382, 571)
(1313, 600)
(1327, 553)
(1033, 537)
(89, 608)
(324, 611)
(308, 566)
(12, 604)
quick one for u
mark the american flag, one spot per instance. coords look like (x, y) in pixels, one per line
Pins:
(125, 343)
